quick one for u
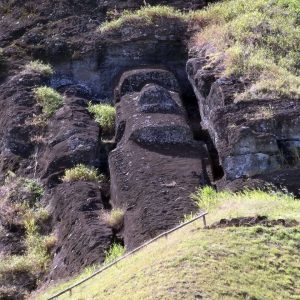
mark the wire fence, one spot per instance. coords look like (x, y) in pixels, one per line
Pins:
(69, 289)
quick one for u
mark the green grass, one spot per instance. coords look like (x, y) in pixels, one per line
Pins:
(49, 99)
(82, 172)
(105, 116)
(114, 252)
(34, 187)
(240, 263)
(225, 263)
(39, 67)
(144, 16)
(260, 39)
(36, 258)
(226, 204)
(20, 204)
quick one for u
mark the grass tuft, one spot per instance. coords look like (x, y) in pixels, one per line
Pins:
(50, 100)
(36, 258)
(20, 206)
(114, 252)
(113, 218)
(39, 67)
(105, 115)
(82, 172)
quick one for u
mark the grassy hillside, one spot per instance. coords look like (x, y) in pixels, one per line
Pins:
(258, 40)
(226, 263)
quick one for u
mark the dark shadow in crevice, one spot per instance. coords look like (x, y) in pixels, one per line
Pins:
(217, 169)
(194, 119)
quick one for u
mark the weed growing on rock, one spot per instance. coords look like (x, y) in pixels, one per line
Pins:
(114, 252)
(105, 115)
(39, 67)
(50, 242)
(49, 99)
(82, 172)
(113, 218)
(21, 190)
(35, 188)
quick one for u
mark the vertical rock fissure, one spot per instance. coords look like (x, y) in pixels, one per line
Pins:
(194, 119)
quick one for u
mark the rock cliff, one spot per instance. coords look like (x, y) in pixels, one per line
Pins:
(178, 126)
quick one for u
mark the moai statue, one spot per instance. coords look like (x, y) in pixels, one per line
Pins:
(157, 164)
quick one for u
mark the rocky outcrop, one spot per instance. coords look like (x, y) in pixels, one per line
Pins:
(82, 237)
(17, 108)
(158, 45)
(254, 138)
(162, 152)
(71, 137)
(157, 164)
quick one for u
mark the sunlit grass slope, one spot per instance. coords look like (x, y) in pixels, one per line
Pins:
(258, 40)
(229, 263)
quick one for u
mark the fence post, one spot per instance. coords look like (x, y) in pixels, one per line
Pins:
(204, 221)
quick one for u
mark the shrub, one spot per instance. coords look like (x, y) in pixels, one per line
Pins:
(35, 188)
(113, 218)
(82, 172)
(105, 115)
(39, 67)
(50, 100)
(146, 15)
(114, 252)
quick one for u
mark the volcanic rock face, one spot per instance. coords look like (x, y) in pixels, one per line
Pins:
(254, 139)
(156, 164)
(17, 107)
(82, 238)
(44, 151)
(72, 137)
